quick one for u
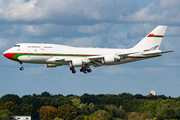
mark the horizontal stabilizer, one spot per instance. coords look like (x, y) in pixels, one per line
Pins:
(168, 51)
(154, 52)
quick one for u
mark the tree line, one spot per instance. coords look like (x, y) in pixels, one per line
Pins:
(123, 106)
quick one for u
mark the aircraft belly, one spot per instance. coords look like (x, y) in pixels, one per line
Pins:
(33, 59)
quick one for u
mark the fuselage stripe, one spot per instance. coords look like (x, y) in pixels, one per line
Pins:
(16, 55)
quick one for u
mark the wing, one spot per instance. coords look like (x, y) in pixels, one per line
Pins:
(55, 60)
(92, 60)
(97, 60)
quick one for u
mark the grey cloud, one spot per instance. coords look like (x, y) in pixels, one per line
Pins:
(3, 43)
(84, 12)
(165, 4)
(94, 28)
(65, 12)
(173, 30)
(94, 41)
(159, 12)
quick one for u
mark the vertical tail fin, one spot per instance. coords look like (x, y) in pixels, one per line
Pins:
(153, 40)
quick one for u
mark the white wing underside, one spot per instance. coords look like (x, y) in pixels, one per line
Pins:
(93, 60)
(96, 60)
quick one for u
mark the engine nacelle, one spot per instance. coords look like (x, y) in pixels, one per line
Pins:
(110, 59)
(51, 65)
(76, 63)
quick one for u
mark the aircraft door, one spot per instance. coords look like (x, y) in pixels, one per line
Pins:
(42, 46)
(29, 52)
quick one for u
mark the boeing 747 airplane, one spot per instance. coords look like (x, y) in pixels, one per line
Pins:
(53, 55)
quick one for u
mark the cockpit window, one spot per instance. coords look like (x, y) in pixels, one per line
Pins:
(16, 45)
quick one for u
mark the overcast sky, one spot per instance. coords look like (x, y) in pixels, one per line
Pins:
(90, 23)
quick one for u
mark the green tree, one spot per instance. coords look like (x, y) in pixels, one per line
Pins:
(133, 116)
(58, 118)
(76, 102)
(5, 114)
(132, 105)
(12, 107)
(83, 109)
(116, 112)
(92, 107)
(146, 116)
(112, 100)
(178, 113)
(139, 96)
(90, 99)
(11, 97)
(126, 96)
(100, 115)
(167, 113)
(112, 110)
(46, 100)
(67, 112)
(80, 117)
(59, 102)
(36, 102)
(27, 109)
(45, 94)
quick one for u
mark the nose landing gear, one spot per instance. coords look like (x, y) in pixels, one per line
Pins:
(21, 67)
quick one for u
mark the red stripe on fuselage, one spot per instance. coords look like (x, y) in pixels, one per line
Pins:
(10, 55)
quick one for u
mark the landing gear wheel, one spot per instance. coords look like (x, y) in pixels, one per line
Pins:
(21, 68)
(89, 70)
(85, 71)
(73, 71)
(82, 69)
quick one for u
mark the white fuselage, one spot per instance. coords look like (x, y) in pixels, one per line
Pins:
(41, 53)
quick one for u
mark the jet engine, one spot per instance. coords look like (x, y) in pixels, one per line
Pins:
(110, 59)
(51, 65)
(76, 63)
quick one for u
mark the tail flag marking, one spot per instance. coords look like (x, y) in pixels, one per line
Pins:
(152, 35)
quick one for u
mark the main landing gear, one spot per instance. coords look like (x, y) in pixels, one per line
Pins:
(83, 69)
(21, 67)
(73, 70)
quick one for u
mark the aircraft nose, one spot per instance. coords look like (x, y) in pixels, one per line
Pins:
(8, 55)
